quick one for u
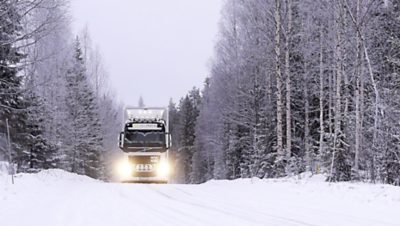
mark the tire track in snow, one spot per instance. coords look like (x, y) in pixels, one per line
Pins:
(140, 193)
(316, 214)
(235, 208)
(236, 212)
(197, 220)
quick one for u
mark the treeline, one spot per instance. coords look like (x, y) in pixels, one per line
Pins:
(53, 92)
(297, 85)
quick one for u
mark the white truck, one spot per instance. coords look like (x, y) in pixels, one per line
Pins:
(145, 142)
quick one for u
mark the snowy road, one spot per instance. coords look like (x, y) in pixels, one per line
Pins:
(57, 198)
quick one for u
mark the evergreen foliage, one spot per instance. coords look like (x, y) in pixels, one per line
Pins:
(12, 102)
(39, 153)
(60, 111)
(188, 113)
(84, 130)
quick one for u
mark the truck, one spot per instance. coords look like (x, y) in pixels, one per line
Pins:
(145, 142)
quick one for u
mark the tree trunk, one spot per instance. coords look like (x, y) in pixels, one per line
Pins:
(321, 102)
(359, 72)
(288, 80)
(306, 120)
(338, 68)
(279, 102)
(373, 82)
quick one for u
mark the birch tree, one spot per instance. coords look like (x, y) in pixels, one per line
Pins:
(279, 100)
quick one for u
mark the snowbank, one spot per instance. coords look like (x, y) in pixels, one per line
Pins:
(3, 167)
(55, 175)
(308, 184)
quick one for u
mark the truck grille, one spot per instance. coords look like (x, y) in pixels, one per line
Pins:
(144, 166)
(144, 159)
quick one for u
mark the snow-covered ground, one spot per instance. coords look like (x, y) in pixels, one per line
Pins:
(58, 198)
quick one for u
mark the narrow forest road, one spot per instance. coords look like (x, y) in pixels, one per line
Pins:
(57, 198)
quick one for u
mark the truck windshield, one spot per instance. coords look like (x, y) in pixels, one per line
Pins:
(145, 139)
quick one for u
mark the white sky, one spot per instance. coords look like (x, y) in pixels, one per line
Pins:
(154, 48)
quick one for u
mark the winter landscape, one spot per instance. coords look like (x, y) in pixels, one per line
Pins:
(258, 112)
(55, 197)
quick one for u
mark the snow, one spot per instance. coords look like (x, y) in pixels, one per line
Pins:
(58, 198)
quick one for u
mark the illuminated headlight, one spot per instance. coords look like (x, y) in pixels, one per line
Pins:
(124, 169)
(163, 169)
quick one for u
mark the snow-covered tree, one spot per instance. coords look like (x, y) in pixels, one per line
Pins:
(83, 131)
(386, 47)
(39, 153)
(12, 103)
(188, 113)
(302, 85)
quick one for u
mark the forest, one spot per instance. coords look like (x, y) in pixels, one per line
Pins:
(56, 106)
(294, 86)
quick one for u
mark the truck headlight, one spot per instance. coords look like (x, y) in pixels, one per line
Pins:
(124, 169)
(163, 169)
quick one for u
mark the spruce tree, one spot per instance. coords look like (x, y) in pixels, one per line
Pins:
(11, 93)
(185, 151)
(202, 163)
(189, 111)
(40, 153)
(174, 130)
(84, 131)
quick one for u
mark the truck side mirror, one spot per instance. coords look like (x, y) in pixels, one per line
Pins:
(168, 142)
(121, 140)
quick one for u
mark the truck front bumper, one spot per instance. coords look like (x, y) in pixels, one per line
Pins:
(144, 180)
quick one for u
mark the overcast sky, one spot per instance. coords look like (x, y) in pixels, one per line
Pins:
(154, 48)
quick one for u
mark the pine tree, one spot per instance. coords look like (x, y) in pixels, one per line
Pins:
(47, 26)
(188, 113)
(174, 130)
(202, 160)
(84, 131)
(11, 92)
(185, 150)
(40, 153)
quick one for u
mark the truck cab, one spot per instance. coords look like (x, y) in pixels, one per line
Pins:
(145, 142)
